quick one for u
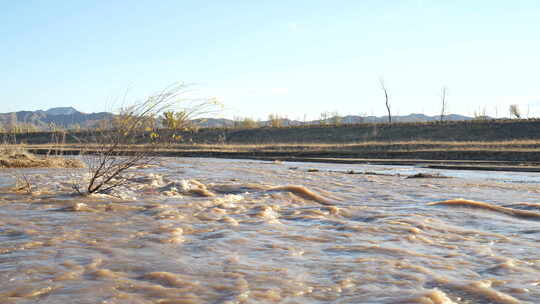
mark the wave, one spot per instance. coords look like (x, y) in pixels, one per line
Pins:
(483, 205)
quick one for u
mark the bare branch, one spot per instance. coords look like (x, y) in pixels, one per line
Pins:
(115, 146)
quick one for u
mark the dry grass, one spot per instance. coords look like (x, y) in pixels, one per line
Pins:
(16, 156)
(514, 145)
(367, 146)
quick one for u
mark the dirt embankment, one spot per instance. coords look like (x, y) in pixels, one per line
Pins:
(16, 158)
(459, 131)
(499, 142)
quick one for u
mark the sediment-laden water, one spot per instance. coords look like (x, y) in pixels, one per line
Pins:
(223, 231)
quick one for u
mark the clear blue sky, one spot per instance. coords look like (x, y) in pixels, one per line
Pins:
(294, 58)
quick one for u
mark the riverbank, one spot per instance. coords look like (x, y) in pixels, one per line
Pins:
(521, 156)
(18, 157)
(482, 144)
(500, 130)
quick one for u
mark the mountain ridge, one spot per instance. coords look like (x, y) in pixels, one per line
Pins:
(71, 118)
(64, 117)
(349, 119)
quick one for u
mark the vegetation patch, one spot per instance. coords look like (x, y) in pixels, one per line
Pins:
(16, 157)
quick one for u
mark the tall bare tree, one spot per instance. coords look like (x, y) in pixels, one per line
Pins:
(386, 99)
(443, 102)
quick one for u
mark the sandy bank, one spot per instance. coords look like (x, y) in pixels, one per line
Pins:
(507, 164)
(23, 159)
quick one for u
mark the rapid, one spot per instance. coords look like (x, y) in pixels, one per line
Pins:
(201, 230)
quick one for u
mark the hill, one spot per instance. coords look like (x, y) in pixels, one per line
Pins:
(71, 118)
(65, 117)
(349, 119)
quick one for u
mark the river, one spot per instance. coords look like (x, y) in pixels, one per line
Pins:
(198, 230)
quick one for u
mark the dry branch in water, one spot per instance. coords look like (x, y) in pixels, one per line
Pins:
(22, 184)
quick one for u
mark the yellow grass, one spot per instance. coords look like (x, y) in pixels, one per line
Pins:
(16, 156)
(409, 146)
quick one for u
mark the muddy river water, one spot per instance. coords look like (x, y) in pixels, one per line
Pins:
(238, 231)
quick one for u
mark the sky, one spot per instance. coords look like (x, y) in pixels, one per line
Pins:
(292, 58)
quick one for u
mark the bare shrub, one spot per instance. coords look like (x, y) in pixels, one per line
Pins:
(58, 140)
(183, 120)
(175, 120)
(324, 118)
(275, 121)
(131, 139)
(336, 119)
(244, 123)
(481, 114)
(22, 184)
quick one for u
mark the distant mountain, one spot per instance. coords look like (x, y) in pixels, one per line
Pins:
(70, 118)
(65, 117)
(349, 119)
(214, 122)
(62, 111)
(414, 117)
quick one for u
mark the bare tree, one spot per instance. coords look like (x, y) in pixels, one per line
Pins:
(335, 118)
(189, 117)
(324, 118)
(175, 121)
(249, 123)
(386, 99)
(244, 122)
(514, 111)
(443, 102)
(481, 113)
(362, 117)
(13, 124)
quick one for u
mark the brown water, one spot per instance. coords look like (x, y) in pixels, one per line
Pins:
(222, 231)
